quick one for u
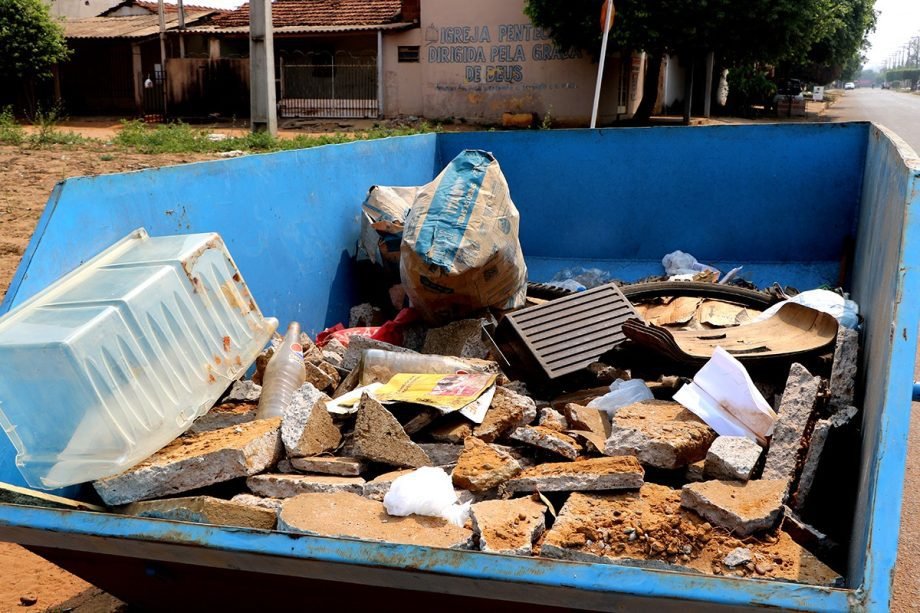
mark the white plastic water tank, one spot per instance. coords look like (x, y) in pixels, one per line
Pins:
(116, 359)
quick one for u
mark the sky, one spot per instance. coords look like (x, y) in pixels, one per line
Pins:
(898, 20)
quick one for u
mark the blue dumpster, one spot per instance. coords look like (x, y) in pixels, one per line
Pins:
(784, 201)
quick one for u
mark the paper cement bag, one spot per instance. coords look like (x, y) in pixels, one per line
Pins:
(383, 217)
(460, 248)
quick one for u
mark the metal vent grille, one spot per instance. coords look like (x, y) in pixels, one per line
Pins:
(565, 335)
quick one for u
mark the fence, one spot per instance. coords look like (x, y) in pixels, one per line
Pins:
(328, 89)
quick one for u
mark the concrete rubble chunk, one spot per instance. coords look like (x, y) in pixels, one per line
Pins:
(615, 473)
(587, 419)
(695, 471)
(509, 411)
(379, 437)
(452, 428)
(482, 467)
(329, 465)
(660, 433)
(317, 377)
(741, 508)
(13, 494)
(334, 345)
(732, 457)
(791, 429)
(649, 528)
(548, 440)
(307, 428)
(844, 369)
(552, 419)
(224, 416)
(508, 526)
(441, 454)
(737, 557)
(378, 487)
(364, 316)
(284, 466)
(518, 387)
(286, 486)
(462, 338)
(197, 461)
(204, 510)
(272, 504)
(358, 344)
(244, 390)
(822, 431)
(352, 516)
(333, 358)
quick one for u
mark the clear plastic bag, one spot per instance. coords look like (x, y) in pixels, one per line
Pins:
(622, 393)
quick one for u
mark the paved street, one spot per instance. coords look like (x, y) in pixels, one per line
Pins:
(901, 113)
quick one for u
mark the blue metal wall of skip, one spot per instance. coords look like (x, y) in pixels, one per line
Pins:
(780, 200)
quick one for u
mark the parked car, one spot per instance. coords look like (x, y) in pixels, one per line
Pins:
(849, 85)
(886, 85)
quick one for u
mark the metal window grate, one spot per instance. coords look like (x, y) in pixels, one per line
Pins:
(408, 54)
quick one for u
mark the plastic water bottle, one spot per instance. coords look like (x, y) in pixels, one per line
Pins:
(284, 374)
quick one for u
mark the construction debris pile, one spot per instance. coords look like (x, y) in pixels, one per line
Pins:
(678, 424)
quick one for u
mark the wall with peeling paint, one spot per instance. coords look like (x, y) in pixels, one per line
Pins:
(479, 59)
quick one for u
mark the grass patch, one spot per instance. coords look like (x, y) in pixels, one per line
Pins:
(183, 138)
(11, 133)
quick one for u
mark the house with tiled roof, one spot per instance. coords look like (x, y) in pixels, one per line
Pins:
(473, 60)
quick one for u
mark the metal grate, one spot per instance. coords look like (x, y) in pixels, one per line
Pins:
(327, 89)
(565, 335)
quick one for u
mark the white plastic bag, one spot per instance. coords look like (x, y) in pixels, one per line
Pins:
(426, 491)
(680, 263)
(846, 312)
(622, 393)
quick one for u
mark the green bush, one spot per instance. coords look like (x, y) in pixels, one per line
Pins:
(11, 133)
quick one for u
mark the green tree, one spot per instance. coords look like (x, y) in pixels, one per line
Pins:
(740, 32)
(31, 42)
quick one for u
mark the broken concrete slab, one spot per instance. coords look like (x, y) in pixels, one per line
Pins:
(330, 465)
(482, 467)
(509, 410)
(352, 516)
(462, 338)
(819, 436)
(197, 461)
(737, 557)
(844, 369)
(792, 425)
(307, 428)
(649, 528)
(204, 510)
(615, 473)
(358, 344)
(244, 390)
(741, 508)
(330, 357)
(694, 472)
(508, 526)
(365, 316)
(378, 487)
(334, 345)
(732, 457)
(318, 378)
(224, 416)
(441, 454)
(587, 419)
(552, 419)
(13, 494)
(452, 428)
(379, 437)
(548, 440)
(287, 486)
(660, 433)
(272, 504)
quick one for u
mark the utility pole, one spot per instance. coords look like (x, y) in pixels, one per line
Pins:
(263, 115)
(707, 100)
(181, 29)
(608, 21)
(162, 75)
